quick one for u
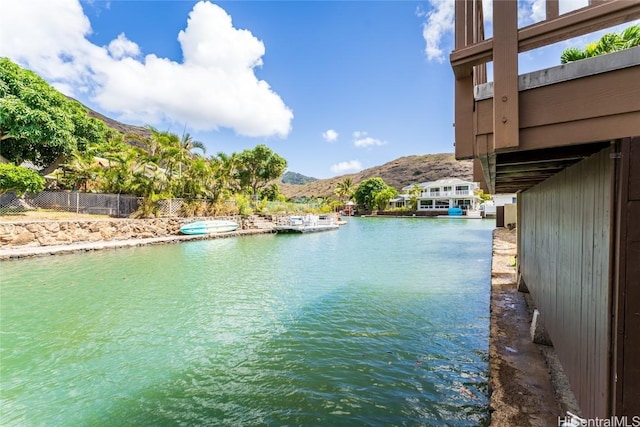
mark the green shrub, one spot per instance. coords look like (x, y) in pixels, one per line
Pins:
(19, 179)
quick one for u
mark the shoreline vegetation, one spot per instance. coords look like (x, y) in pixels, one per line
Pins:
(90, 153)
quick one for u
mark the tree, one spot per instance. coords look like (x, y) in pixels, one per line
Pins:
(270, 192)
(38, 123)
(19, 179)
(366, 192)
(344, 189)
(256, 168)
(383, 197)
(610, 42)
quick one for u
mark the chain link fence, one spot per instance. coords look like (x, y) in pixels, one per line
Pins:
(122, 206)
(115, 205)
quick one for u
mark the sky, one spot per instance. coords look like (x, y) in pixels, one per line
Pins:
(334, 87)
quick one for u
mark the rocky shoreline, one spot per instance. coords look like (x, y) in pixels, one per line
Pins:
(22, 239)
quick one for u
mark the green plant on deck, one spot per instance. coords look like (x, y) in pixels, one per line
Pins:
(610, 42)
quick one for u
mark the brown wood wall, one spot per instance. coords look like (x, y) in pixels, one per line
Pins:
(626, 364)
(564, 260)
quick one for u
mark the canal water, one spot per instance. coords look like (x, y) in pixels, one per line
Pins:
(383, 322)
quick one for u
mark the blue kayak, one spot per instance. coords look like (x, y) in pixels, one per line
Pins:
(208, 227)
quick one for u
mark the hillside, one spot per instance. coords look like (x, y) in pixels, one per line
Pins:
(295, 178)
(397, 173)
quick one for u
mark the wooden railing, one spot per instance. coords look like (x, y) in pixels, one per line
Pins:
(472, 52)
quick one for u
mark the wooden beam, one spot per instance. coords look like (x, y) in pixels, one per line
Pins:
(600, 95)
(463, 59)
(464, 118)
(581, 131)
(505, 75)
(577, 23)
(582, 21)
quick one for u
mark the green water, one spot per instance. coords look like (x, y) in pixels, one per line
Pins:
(383, 322)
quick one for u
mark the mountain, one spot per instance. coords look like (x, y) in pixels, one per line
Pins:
(295, 178)
(398, 173)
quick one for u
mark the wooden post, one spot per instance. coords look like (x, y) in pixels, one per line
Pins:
(552, 9)
(505, 74)
(464, 84)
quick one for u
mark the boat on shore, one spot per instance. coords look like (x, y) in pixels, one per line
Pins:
(209, 227)
(306, 224)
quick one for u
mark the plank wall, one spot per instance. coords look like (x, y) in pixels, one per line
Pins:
(564, 260)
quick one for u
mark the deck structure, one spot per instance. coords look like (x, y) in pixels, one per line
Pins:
(567, 141)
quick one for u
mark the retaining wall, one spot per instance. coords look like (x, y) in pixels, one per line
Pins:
(49, 233)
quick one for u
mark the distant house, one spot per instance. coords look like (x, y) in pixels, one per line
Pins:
(440, 195)
(400, 201)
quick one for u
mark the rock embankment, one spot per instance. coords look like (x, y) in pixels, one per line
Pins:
(53, 233)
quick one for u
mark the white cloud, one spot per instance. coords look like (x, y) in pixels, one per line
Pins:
(538, 10)
(344, 167)
(214, 87)
(368, 142)
(121, 47)
(330, 135)
(360, 139)
(439, 22)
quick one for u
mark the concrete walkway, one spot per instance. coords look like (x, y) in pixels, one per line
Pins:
(528, 387)
(16, 252)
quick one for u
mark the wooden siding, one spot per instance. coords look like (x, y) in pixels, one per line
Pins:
(564, 260)
(626, 279)
(555, 115)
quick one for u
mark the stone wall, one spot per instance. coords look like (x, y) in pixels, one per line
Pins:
(48, 233)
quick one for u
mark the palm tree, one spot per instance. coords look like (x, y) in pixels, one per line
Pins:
(345, 189)
(188, 144)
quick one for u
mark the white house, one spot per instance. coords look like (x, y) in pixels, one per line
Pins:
(440, 195)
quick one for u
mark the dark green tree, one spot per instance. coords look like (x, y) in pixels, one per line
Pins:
(366, 192)
(256, 168)
(38, 123)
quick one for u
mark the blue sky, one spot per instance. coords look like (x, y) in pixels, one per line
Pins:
(332, 86)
